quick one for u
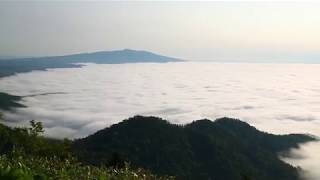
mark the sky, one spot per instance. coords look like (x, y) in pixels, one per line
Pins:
(219, 31)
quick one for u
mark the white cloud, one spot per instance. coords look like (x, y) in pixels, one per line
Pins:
(306, 156)
(275, 98)
(278, 98)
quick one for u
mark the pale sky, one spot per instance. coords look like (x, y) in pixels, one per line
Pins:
(220, 31)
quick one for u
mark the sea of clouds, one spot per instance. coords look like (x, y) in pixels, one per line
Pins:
(277, 98)
(307, 156)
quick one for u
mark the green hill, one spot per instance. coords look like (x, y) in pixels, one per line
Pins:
(225, 149)
(27, 155)
(149, 148)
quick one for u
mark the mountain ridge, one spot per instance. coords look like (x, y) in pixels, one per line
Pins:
(13, 66)
(126, 51)
(223, 149)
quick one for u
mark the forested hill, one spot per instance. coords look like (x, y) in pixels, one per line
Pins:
(13, 66)
(7, 101)
(225, 149)
(25, 154)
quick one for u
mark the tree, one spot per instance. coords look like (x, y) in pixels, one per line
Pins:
(36, 128)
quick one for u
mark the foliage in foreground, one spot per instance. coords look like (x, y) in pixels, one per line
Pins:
(27, 155)
(43, 168)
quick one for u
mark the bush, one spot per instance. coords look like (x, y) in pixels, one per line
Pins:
(27, 155)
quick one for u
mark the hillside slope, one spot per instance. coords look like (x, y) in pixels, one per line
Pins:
(25, 154)
(225, 149)
(8, 102)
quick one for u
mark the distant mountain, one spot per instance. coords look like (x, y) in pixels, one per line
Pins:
(225, 149)
(12, 66)
(8, 57)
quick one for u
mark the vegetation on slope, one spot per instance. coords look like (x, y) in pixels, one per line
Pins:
(26, 155)
(226, 149)
(7, 101)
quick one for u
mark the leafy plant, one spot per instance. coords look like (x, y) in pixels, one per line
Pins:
(27, 155)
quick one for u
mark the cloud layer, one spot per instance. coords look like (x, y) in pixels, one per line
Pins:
(275, 98)
(278, 98)
(307, 156)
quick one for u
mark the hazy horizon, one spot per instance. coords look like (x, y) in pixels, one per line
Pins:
(219, 31)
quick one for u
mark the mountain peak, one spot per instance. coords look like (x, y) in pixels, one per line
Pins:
(12, 66)
(127, 49)
(203, 149)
